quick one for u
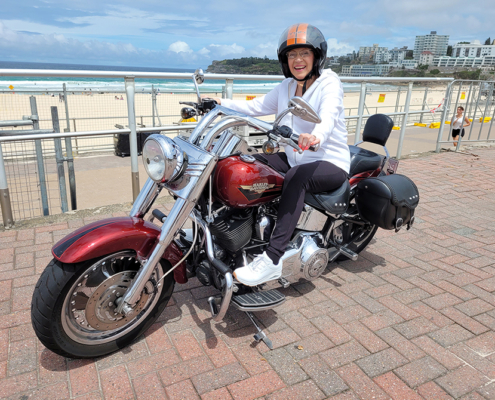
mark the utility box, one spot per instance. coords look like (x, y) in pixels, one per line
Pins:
(122, 146)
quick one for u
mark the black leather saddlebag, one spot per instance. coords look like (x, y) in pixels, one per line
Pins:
(387, 201)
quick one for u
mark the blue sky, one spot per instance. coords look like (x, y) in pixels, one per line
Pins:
(190, 34)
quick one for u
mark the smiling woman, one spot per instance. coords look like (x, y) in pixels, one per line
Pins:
(302, 53)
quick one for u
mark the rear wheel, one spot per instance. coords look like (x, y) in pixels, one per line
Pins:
(73, 307)
(356, 236)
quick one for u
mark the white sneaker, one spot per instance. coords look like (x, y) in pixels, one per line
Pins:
(261, 270)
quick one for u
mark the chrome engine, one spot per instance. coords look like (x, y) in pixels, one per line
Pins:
(305, 257)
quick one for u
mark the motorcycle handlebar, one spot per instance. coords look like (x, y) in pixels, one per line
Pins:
(292, 139)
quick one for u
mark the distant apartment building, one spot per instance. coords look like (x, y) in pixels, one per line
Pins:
(365, 70)
(471, 62)
(473, 49)
(406, 64)
(426, 58)
(368, 53)
(382, 55)
(396, 55)
(436, 44)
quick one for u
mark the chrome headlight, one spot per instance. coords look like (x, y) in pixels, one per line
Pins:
(162, 158)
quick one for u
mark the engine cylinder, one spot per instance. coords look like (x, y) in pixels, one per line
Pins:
(234, 230)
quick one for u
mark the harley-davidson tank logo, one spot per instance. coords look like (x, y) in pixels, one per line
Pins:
(260, 189)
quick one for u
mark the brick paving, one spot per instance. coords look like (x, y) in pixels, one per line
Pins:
(413, 318)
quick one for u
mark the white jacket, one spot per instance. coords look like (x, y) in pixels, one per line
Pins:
(326, 96)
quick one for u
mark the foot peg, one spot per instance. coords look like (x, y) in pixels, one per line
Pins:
(258, 301)
(345, 252)
(284, 283)
(260, 335)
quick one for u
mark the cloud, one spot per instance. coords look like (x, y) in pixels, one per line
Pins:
(336, 48)
(59, 48)
(180, 47)
(221, 51)
(181, 34)
(265, 49)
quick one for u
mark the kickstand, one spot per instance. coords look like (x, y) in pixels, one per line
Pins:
(260, 335)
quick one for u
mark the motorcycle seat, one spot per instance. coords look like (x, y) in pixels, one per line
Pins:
(363, 160)
(335, 202)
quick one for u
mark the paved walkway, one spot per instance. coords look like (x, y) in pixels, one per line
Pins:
(413, 318)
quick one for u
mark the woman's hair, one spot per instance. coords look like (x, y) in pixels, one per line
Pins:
(461, 107)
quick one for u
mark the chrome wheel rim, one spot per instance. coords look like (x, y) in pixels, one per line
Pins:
(87, 313)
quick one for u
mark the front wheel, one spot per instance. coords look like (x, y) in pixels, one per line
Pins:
(73, 305)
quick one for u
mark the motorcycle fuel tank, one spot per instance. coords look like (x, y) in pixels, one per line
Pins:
(242, 184)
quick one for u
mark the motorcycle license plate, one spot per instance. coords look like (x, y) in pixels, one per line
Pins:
(392, 165)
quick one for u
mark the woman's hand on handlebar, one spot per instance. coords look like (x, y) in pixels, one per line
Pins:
(307, 139)
(217, 99)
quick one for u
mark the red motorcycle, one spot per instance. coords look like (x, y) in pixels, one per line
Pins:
(111, 279)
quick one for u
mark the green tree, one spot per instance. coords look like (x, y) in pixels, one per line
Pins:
(472, 75)
(435, 71)
(409, 55)
(449, 51)
(488, 41)
(423, 67)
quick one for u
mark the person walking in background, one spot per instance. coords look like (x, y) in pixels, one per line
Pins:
(458, 124)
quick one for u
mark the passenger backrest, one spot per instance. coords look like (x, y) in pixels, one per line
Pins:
(377, 129)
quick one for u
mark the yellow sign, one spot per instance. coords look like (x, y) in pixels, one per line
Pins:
(11, 87)
(381, 98)
(250, 97)
(463, 95)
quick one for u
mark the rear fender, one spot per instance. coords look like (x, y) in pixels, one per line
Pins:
(112, 235)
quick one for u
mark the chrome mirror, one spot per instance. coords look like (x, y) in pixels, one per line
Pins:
(198, 79)
(301, 108)
(199, 76)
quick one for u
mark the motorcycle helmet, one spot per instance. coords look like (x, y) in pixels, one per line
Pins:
(302, 35)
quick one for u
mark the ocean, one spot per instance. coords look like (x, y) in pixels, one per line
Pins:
(81, 85)
(54, 85)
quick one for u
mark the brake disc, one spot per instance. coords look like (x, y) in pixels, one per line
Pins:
(100, 308)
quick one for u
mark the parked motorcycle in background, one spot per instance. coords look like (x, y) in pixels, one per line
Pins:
(110, 280)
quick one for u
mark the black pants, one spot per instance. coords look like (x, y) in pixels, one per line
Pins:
(315, 177)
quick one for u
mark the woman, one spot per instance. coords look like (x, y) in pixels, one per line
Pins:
(302, 53)
(458, 123)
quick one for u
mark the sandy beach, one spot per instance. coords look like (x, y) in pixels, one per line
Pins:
(104, 111)
(99, 171)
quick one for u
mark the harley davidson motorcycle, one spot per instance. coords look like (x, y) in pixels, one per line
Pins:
(111, 279)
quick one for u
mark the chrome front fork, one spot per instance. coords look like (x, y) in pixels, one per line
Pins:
(176, 218)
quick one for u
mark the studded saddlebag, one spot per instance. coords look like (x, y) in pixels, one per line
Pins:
(387, 201)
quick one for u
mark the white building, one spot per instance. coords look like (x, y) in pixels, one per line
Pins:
(426, 58)
(473, 49)
(473, 62)
(396, 55)
(407, 64)
(381, 55)
(437, 44)
(368, 53)
(365, 70)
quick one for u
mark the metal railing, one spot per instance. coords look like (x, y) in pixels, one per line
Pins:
(478, 104)
(401, 112)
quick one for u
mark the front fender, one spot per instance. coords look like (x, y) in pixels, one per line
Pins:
(112, 235)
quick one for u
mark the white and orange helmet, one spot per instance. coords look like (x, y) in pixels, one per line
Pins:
(302, 35)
